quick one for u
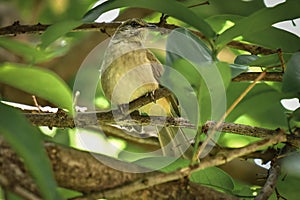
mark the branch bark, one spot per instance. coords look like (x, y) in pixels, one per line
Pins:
(155, 179)
(82, 172)
(16, 28)
(270, 184)
(250, 76)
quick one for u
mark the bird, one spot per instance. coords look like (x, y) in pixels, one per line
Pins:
(130, 71)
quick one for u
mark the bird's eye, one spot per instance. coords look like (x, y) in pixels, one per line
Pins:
(134, 24)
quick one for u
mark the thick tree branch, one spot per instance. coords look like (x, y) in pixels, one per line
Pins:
(82, 172)
(13, 175)
(155, 179)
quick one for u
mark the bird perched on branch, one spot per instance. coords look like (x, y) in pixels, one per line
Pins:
(130, 71)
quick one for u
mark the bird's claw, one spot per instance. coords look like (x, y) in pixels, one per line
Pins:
(152, 96)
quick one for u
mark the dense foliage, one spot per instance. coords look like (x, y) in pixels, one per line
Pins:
(236, 37)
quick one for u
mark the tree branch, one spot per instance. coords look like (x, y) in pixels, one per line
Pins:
(95, 179)
(82, 172)
(241, 129)
(253, 49)
(270, 184)
(251, 76)
(16, 28)
(117, 117)
(155, 179)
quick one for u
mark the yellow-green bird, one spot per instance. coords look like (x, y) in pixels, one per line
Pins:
(130, 71)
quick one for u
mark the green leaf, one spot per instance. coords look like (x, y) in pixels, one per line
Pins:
(232, 7)
(296, 115)
(245, 59)
(170, 7)
(214, 177)
(29, 52)
(274, 38)
(269, 60)
(57, 30)
(26, 141)
(261, 107)
(191, 58)
(241, 63)
(288, 185)
(165, 164)
(11, 196)
(182, 43)
(220, 23)
(37, 81)
(237, 69)
(260, 20)
(291, 77)
(208, 80)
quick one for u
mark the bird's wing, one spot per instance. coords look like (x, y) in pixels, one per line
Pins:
(157, 67)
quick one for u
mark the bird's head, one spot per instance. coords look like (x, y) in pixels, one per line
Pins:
(133, 30)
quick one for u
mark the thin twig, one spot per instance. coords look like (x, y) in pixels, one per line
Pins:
(36, 103)
(281, 60)
(199, 4)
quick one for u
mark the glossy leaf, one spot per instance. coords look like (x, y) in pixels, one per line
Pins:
(213, 177)
(165, 164)
(270, 60)
(237, 69)
(291, 78)
(296, 115)
(29, 52)
(288, 184)
(220, 23)
(37, 81)
(57, 30)
(232, 7)
(261, 107)
(260, 20)
(182, 43)
(190, 56)
(169, 7)
(26, 141)
(245, 59)
(274, 38)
